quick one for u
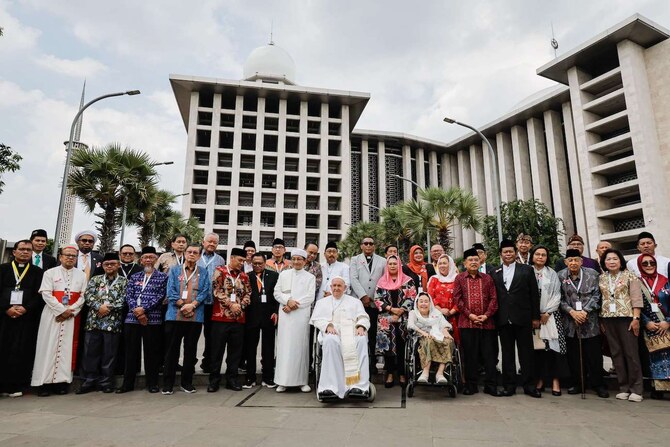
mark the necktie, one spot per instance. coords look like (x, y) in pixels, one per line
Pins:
(87, 265)
(37, 260)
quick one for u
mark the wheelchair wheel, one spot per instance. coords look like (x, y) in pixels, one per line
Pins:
(410, 390)
(452, 390)
(373, 393)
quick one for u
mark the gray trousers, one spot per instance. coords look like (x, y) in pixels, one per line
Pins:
(99, 358)
(625, 354)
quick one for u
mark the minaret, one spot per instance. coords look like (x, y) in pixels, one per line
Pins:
(68, 210)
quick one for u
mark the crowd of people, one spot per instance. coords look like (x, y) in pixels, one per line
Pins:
(95, 315)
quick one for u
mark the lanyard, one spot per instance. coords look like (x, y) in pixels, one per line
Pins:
(233, 281)
(186, 277)
(581, 274)
(261, 279)
(210, 260)
(180, 261)
(125, 274)
(18, 277)
(106, 286)
(145, 281)
(653, 287)
(612, 284)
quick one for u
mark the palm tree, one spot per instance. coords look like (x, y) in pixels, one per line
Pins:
(152, 214)
(448, 207)
(418, 219)
(395, 229)
(175, 223)
(108, 177)
(350, 245)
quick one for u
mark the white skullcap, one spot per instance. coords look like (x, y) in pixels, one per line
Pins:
(89, 232)
(299, 252)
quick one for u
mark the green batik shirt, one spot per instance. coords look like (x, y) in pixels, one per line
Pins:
(101, 290)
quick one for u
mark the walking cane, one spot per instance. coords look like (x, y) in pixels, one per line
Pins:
(581, 364)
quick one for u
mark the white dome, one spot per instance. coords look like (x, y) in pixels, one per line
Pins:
(270, 62)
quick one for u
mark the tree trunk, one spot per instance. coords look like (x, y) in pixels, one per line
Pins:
(107, 229)
(444, 239)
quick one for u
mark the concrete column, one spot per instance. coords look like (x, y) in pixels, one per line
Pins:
(558, 172)
(406, 171)
(445, 166)
(522, 173)
(574, 170)
(190, 157)
(432, 162)
(345, 195)
(478, 184)
(644, 135)
(539, 169)
(365, 183)
(454, 179)
(506, 167)
(420, 168)
(381, 173)
(465, 180)
(489, 179)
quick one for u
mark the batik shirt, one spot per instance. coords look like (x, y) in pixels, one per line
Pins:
(587, 291)
(101, 290)
(151, 297)
(226, 282)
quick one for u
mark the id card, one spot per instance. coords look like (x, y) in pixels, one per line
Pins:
(264, 298)
(420, 290)
(66, 300)
(16, 298)
(184, 295)
(654, 307)
(139, 302)
(612, 307)
(578, 305)
(233, 297)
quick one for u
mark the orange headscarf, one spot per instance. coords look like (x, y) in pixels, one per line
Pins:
(418, 267)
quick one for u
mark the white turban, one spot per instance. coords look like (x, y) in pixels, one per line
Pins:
(299, 252)
(89, 232)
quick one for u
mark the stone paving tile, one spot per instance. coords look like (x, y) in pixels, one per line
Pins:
(21, 423)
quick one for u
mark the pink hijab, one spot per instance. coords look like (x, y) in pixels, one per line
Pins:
(388, 283)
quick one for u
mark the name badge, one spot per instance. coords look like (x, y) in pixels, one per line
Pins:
(612, 307)
(139, 302)
(654, 307)
(264, 298)
(16, 298)
(578, 305)
(106, 303)
(420, 290)
(233, 297)
(184, 295)
(66, 300)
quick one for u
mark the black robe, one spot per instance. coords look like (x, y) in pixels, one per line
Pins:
(18, 336)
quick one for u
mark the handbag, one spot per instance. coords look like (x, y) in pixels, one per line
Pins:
(538, 343)
(655, 342)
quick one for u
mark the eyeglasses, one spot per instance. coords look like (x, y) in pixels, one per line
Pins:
(648, 263)
(69, 256)
(368, 243)
(24, 249)
(86, 241)
(127, 254)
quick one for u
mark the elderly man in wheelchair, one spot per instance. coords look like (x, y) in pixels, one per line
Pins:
(341, 354)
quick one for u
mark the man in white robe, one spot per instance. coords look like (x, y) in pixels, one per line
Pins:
(295, 292)
(62, 290)
(342, 323)
(332, 268)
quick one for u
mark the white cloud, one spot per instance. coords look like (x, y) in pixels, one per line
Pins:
(80, 68)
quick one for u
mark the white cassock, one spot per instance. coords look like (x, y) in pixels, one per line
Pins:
(344, 363)
(330, 271)
(292, 367)
(55, 341)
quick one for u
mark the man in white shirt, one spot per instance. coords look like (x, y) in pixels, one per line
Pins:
(646, 245)
(332, 268)
(342, 324)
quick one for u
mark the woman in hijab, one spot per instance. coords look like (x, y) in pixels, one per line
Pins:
(418, 269)
(656, 323)
(436, 343)
(550, 361)
(441, 288)
(394, 297)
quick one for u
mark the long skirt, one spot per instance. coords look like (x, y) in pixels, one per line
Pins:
(431, 350)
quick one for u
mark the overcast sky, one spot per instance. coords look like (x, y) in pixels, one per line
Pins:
(420, 61)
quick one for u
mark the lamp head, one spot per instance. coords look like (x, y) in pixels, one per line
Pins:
(449, 120)
(132, 92)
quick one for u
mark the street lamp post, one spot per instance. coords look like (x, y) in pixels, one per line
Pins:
(63, 192)
(418, 187)
(125, 205)
(494, 168)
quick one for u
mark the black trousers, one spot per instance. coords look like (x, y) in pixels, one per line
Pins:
(395, 363)
(373, 313)
(175, 332)
(479, 345)
(150, 336)
(512, 335)
(100, 349)
(207, 330)
(592, 357)
(252, 335)
(225, 336)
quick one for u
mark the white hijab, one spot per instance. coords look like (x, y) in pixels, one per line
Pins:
(435, 320)
(451, 276)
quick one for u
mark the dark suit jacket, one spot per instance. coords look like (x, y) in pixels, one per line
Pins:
(48, 261)
(490, 269)
(258, 312)
(96, 264)
(521, 303)
(430, 271)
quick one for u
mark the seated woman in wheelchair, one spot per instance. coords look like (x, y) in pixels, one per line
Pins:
(342, 324)
(435, 342)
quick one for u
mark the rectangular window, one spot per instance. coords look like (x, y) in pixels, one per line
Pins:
(202, 158)
(225, 160)
(204, 118)
(203, 138)
(333, 222)
(290, 220)
(313, 166)
(290, 182)
(268, 200)
(292, 125)
(269, 181)
(291, 164)
(314, 127)
(267, 219)
(291, 201)
(228, 99)
(270, 143)
(312, 221)
(222, 198)
(246, 180)
(334, 185)
(250, 102)
(269, 163)
(272, 104)
(200, 177)
(292, 145)
(247, 161)
(223, 179)
(198, 214)
(226, 140)
(293, 106)
(227, 120)
(333, 167)
(313, 146)
(314, 108)
(334, 129)
(205, 99)
(249, 122)
(312, 203)
(244, 218)
(271, 123)
(334, 148)
(246, 198)
(249, 141)
(334, 110)
(198, 196)
(313, 184)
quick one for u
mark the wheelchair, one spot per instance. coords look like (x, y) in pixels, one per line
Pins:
(318, 355)
(452, 371)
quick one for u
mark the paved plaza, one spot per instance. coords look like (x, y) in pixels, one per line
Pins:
(262, 417)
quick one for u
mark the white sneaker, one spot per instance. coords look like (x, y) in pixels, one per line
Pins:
(269, 384)
(305, 388)
(17, 394)
(635, 398)
(423, 378)
(623, 396)
(441, 380)
(281, 389)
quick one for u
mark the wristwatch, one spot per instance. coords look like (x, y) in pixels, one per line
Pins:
(636, 318)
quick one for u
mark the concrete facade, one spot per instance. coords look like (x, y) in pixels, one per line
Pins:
(291, 164)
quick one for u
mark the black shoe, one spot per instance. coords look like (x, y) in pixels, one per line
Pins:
(573, 390)
(602, 392)
(556, 393)
(61, 389)
(124, 389)
(491, 390)
(234, 385)
(43, 391)
(249, 383)
(154, 389)
(268, 383)
(85, 390)
(357, 393)
(469, 391)
(507, 392)
(532, 392)
(179, 367)
(108, 389)
(167, 391)
(205, 368)
(327, 394)
(212, 388)
(656, 395)
(188, 389)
